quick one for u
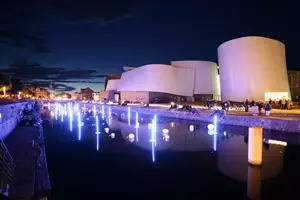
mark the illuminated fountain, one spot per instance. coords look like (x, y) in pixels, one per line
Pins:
(153, 137)
(102, 112)
(128, 115)
(109, 115)
(49, 107)
(65, 109)
(62, 117)
(79, 125)
(97, 125)
(71, 120)
(215, 133)
(94, 111)
(137, 126)
(97, 131)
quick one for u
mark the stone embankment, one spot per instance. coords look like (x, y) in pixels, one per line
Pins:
(10, 115)
(278, 124)
(25, 144)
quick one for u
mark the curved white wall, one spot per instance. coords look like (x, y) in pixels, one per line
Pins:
(205, 75)
(112, 84)
(251, 66)
(158, 78)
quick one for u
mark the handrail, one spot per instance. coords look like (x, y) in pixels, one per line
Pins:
(6, 169)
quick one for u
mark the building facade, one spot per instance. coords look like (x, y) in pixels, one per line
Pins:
(253, 68)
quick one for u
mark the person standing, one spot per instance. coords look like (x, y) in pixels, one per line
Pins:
(246, 105)
(267, 109)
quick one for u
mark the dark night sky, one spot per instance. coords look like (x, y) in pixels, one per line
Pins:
(75, 44)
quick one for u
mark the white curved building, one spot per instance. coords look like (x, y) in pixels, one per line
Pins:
(112, 84)
(205, 75)
(156, 80)
(253, 68)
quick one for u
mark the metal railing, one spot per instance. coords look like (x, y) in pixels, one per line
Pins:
(6, 170)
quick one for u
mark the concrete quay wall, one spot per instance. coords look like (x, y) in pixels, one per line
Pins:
(284, 125)
(10, 115)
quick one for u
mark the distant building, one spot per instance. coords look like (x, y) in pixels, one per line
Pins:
(65, 95)
(294, 82)
(85, 94)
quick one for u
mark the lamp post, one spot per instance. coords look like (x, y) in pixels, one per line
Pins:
(4, 91)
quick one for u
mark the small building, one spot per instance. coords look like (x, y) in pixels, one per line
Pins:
(85, 94)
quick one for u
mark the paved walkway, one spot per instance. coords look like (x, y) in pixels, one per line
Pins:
(19, 144)
(275, 113)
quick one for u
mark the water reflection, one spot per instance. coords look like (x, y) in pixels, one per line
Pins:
(227, 147)
(232, 161)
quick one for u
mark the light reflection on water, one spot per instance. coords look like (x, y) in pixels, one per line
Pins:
(227, 144)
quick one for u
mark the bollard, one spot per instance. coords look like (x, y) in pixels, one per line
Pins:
(254, 182)
(255, 142)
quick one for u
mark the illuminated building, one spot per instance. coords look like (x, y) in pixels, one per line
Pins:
(181, 81)
(253, 68)
(205, 78)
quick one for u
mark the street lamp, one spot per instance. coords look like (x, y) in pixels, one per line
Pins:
(4, 91)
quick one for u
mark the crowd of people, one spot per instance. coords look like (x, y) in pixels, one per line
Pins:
(257, 107)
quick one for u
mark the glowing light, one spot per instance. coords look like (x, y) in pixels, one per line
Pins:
(166, 137)
(52, 113)
(150, 126)
(225, 133)
(153, 138)
(97, 125)
(94, 110)
(215, 142)
(137, 126)
(79, 125)
(211, 132)
(191, 128)
(112, 135)
(49, 107)
(109, 116)
(165, 131)
(172, 124)
(128, 114)
(65, 106)
(71, 122)
(210, 127)
(62, 118)
(215, 124)
(102, 112)
(106, 130)
(277, 142)
(97, 142)
(131, 136)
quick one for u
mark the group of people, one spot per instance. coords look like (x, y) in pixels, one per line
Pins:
(260, 105)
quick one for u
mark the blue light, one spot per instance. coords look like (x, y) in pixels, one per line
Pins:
(109, 116)
(215, 142)
(153, 137)
(137, 126)
(49, 107)
(215, 124)
(71, 122)
(94, 110)
(128, 114)
(97, 125)
(102, 112)
(79, 125)
(97, 142)
(215, 133)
